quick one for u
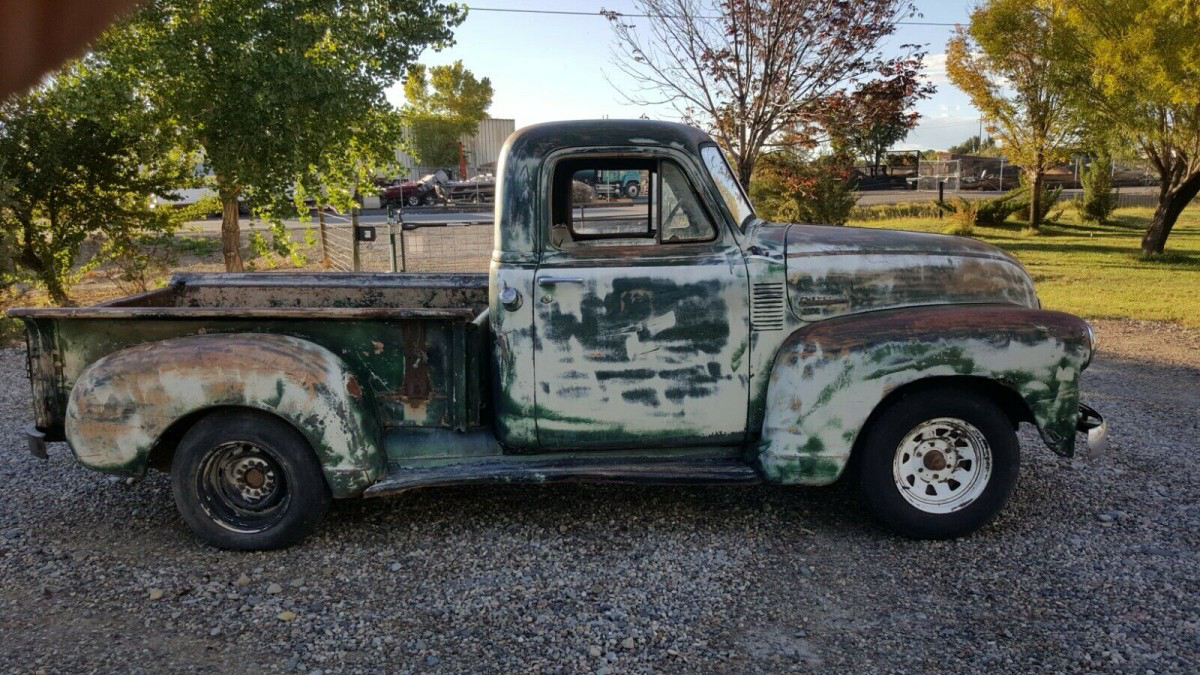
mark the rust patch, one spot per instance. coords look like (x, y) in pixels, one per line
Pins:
(353, 388)
(941, 322)
(418, 387)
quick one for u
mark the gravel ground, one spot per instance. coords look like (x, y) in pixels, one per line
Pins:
(1093, 566)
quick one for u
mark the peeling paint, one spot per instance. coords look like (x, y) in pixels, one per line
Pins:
(123, 403)
(829, 378)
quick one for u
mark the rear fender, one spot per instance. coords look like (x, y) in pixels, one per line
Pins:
(123, 403)
(830, 376)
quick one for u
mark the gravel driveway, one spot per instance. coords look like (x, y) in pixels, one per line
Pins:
(1093, 566)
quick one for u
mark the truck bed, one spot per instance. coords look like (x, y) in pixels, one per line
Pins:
(415, 341)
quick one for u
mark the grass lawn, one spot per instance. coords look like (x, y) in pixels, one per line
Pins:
(1096, 270)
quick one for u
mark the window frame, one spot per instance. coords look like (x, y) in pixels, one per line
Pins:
(628, 155)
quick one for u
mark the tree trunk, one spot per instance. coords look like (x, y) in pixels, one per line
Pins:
(45, 272)
(231, 239)
(1035, 200)
(1171, 202)
(745, 169)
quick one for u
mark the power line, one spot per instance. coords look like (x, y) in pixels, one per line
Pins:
(562, 12)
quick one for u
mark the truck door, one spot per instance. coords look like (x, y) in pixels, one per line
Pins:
(640, 319)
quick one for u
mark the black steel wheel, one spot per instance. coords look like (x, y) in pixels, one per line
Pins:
(248, 481)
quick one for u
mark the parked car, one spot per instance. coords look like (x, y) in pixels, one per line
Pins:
(689, 343)
(422, 192)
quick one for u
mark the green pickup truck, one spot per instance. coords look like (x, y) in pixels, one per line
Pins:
(672, 339)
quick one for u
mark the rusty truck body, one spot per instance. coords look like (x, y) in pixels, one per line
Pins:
(671, 338)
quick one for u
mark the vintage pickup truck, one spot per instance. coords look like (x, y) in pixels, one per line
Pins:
(676, 338)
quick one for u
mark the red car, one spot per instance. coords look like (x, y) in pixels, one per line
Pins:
(423, 192)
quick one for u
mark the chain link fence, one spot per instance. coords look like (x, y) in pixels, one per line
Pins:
(449, 247)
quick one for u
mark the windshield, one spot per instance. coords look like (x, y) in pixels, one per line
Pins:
(731, 191)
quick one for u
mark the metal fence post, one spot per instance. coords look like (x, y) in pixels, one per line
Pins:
(391, 222)
(403, 258)
(941, 196)
(357, 261)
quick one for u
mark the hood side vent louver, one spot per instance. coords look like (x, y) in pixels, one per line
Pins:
(767, 306)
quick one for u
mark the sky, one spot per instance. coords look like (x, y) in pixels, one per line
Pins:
(553, 67)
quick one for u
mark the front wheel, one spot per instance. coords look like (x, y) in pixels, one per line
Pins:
(248, 481)
(939, 463)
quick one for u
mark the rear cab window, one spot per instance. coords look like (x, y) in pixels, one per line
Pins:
(621, 201)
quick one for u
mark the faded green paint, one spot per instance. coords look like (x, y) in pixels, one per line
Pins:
(773, 342)
(122, 404)
(830, 377)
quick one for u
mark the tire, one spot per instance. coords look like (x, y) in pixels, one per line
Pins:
(633, 190)
(956, 451)
(427, 199)
(414, 200)
(245, 480)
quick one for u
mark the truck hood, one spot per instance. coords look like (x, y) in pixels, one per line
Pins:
(833, 271)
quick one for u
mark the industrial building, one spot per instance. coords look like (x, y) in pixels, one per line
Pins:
(481, 150)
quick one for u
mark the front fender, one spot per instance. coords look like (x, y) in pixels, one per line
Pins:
(123, 403)
(828, 377)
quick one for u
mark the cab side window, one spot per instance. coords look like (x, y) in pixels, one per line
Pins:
(614, 201)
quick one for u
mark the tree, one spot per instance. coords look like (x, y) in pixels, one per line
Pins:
(337, 176)
(1142, 85)
(263, 88)
(1009, 61)
(749, 70)
(975, 146)
(442, 108)
(81, 156)
(1098, 198)
(868, 121)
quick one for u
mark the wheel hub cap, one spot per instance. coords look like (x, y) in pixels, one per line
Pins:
(942, 465)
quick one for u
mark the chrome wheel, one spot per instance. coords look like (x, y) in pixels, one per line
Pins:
(242, 487)
(942, 465)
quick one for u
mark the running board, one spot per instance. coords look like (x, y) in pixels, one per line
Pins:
(526, 469)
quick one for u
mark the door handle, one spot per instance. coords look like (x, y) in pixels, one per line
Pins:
(554, 281)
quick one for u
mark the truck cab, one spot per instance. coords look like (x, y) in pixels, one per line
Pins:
(671, 338)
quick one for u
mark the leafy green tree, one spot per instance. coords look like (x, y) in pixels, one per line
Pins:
(1009, 60)
(1143, 87)
(265, 87)
(444, 104)
(339, 175)
(975, 146)
(81, 156)
(1099, 200)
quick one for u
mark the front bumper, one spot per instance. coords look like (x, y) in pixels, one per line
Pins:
(1092, 423)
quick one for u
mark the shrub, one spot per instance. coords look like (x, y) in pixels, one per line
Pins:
(929, 209)
(1099, 200)
(582, 193)
(789, 188)
(962, 217)
(982, 212)
(1021, 196)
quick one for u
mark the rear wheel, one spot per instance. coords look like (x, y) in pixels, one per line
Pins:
(414, 200)
(632, 190)
(939, 463)
(248, 481)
